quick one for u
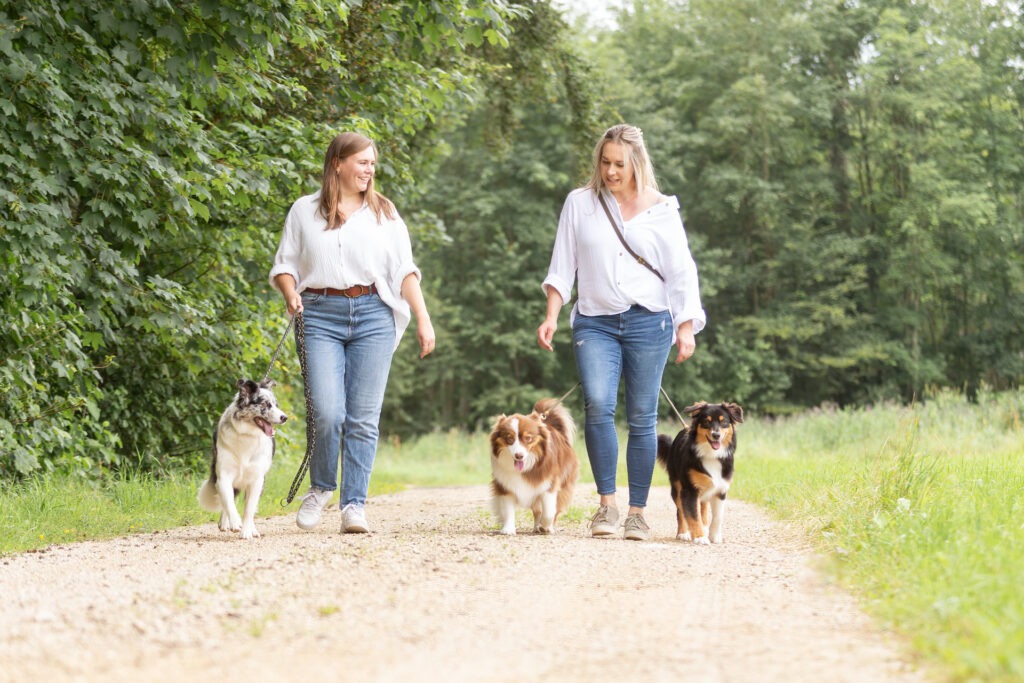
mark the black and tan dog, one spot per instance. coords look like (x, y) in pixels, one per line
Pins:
(700, 466)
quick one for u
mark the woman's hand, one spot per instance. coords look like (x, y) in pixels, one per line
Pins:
(545, 333)
(425, 336)
(292, 299)
(685, 341)
(294, 303)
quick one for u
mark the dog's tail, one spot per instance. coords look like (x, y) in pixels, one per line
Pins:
(556, 416)
(208, 497)
(664, 449)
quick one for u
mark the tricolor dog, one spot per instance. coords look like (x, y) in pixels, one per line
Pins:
(534, 465)
(699, 462)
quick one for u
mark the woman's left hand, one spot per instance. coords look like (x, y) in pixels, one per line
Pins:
(685, 341)
(425, 335)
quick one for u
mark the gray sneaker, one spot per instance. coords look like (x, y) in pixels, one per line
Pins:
(636, 528)
(353, 520)
(604, 521)
(312, 508)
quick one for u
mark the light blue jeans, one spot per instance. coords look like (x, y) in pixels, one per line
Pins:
(633, 345)
(349, 344)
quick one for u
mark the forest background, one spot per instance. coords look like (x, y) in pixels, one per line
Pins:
(850, 175)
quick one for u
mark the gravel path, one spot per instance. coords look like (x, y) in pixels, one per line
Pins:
(435, 594)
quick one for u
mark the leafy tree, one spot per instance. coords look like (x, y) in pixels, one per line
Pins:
(149, 153)
(508, 166)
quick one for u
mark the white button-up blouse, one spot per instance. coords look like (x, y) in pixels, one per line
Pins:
(360, 252)
(610, 279)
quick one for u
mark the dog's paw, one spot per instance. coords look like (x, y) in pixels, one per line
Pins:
(542, 529)
(716, 538)
(683, 537)
(249, 532)
(507, 531)
(702, 540)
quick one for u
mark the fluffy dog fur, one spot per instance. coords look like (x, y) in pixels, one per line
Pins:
(534, 465)
(700, 467)
(243, 449)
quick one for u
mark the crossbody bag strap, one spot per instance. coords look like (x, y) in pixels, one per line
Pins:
(622, 238)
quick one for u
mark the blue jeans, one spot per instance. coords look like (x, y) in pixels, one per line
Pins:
(633, 345)
(349, 344)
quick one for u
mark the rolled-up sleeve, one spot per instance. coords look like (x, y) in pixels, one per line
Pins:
(562, 269)
(286, 260)
(402, 265)
(683, 284)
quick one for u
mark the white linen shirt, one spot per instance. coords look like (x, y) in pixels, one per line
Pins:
(360, 252)
(610, 279)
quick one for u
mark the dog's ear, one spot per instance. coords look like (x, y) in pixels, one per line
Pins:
(734, 410)
(246, 387)
(268, 384)
(695, 408)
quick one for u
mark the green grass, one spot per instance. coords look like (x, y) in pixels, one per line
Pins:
(917, 510)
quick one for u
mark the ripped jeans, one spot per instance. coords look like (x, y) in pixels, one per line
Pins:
(633, 345)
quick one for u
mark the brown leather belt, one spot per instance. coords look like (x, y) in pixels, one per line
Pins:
(352, 292)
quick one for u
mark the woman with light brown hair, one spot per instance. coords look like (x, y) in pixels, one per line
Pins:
(622, 241)
(345, 262)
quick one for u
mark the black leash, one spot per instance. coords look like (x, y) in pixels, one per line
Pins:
(300, 346)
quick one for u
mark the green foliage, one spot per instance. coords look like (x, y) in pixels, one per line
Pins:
(498, 192)
(850, 175)
(149, 153)
(850, 179)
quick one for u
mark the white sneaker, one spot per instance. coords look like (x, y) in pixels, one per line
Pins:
(353, 520)
(312, 508)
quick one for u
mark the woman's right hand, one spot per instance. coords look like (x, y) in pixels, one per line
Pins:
(546, 331)
(294, 302)
(292, 299)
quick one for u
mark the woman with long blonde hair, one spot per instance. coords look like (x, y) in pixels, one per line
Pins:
(622, 242)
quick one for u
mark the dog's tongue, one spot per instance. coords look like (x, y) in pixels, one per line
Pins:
(267, 428)
(715, 444)
(519, 465)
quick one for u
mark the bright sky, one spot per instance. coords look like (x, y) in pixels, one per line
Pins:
(599, 12)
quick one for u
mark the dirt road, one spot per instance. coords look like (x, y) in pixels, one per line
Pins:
(435, 594)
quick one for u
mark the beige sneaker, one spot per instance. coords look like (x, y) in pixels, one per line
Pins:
(636, 528)
(604, 521)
